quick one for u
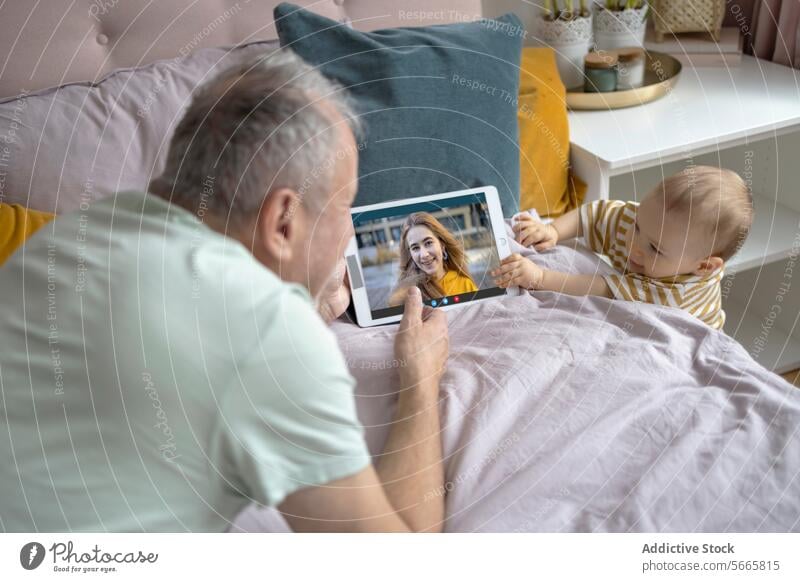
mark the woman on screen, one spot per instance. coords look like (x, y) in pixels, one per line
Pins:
(432, 259)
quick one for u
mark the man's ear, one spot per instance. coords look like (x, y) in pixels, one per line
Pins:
(708, 266)
(277, 224)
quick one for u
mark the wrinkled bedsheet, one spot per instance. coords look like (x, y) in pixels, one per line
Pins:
(583, 414)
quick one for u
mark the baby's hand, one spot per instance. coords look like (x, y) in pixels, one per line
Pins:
(517, 271)
(531, 232)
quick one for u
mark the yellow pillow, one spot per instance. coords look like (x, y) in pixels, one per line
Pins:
(17, 223)
(545, 180)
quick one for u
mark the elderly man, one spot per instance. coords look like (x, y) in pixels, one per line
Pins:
(163, 364)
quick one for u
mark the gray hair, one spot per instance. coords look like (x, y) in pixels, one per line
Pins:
(253, 129)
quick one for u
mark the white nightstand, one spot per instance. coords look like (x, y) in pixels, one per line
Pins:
(746, 118)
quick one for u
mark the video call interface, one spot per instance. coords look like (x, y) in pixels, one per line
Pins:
(446, 248)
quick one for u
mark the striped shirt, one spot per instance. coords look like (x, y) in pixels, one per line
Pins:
(605, 225)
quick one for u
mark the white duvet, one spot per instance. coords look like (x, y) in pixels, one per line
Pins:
(583, 414)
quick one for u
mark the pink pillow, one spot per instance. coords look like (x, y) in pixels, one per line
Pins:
(63, 146)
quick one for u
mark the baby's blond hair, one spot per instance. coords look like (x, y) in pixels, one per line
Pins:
(715, 199)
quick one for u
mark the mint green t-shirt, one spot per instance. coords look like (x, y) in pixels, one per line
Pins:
(156, 377)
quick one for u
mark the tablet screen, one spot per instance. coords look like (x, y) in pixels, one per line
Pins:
(446, 248)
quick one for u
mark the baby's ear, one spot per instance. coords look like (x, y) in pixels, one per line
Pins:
(708, 266)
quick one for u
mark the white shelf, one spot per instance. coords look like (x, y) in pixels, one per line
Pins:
(775, 229)
(781, 351)
(710, 111)
(710, 108)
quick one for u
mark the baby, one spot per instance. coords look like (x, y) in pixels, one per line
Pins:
(669, 250)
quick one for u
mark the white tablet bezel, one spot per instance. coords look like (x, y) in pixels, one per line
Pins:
(360, 299)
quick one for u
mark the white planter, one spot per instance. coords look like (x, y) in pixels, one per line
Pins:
(621, 28)
(571, 40)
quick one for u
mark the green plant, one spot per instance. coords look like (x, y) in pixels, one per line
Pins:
(552, 10)
(624, 4)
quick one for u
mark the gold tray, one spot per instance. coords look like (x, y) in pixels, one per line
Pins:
(661, 72)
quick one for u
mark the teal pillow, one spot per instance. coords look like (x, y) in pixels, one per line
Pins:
(439, 103)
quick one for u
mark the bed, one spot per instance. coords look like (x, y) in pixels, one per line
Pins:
(559, 414)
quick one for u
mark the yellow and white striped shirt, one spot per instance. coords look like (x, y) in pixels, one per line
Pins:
(605, 225)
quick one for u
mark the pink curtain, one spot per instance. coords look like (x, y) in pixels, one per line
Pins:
(770, 28)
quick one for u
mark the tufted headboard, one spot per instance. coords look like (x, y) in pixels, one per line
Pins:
(45, 43)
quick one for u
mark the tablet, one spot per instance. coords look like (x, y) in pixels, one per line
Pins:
(444, 244)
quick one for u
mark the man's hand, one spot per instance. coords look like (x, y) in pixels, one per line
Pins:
(335, 296)
(517, 271)
(410, 467)
(530, 232)
(396, 495)
(422, 343)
